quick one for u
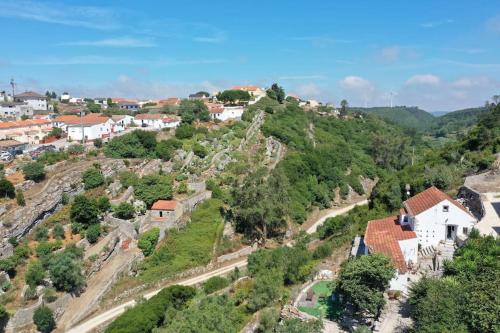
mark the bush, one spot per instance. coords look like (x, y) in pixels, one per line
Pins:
(76, 149)
(92, 178)
(49, 295)
(182, 188)
(184, 131)
(323, 251)
(148, 241)
(124, 211)
(58, 231)
(215, 283)
(20, 198)
(34, 171)
(98, 143)
(44, 319)
(93, 232)
(84, 211)
(43, 250)
(7, 190)
(199, 150)
(41, 233)
(164, 150)
(4, 318)
(35, 273)
(65, 271)
(103, 204)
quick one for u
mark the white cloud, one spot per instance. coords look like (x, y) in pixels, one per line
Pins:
(78, 16)
(390, 54)
(355, 83)
(493, 24)
(434, 24)
(470, 82)
(423, 79)
(113, 42)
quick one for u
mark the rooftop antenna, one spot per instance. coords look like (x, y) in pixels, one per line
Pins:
(13, 85)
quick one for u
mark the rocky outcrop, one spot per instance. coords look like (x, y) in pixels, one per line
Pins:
(22, 219)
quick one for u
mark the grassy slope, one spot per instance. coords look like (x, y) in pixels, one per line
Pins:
(187, 248)
(460, 120)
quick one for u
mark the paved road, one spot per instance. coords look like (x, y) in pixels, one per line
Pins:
(116, 311)
(334, 212)
(490, 223)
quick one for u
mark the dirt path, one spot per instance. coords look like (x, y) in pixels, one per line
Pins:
(77, 309)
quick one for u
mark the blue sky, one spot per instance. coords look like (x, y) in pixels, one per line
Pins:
(439, 55)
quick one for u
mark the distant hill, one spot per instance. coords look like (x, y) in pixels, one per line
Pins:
(457, 121)
(439, 113)
(410, 117)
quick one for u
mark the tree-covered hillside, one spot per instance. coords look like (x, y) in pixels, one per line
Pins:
(409, 117)
(458, 121)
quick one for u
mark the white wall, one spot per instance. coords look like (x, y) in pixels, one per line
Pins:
(91, 132)
(409, 247)
(37, 104)
(399, 282)
(430, 225)
(230, 112)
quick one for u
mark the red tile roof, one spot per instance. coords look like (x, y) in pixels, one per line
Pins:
(427, 199)
(164, 205)
(170, 120)
(90, 119)
(149, 116)
(382, 236)
(29, 95)
(245, 88)
(170, 101)
(215, 107)
(23, 123)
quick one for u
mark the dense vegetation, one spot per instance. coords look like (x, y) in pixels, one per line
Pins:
(466, 298)
(457, 122)
(408, 117)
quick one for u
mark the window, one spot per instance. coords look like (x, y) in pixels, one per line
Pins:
(446, 209)
(465, 231)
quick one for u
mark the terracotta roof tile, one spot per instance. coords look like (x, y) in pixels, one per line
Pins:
(149, 116)
(427, 199)
(164, 205)
(23, 123)
(382, 236)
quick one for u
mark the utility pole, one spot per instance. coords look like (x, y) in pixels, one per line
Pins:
(13, 84)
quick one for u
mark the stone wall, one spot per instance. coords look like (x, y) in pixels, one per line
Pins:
(189, 204)
(235, 255)
(472, 200)
(127, 196)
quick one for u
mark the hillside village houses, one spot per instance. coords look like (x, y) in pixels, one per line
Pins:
(254, 91)
(429, 219)
(14, 110)
(94, 126)
(30, 131)
(122, 121)
(156, 120)
(34, 100)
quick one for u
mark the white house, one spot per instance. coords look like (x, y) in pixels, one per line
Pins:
(122, 121)
(92, 126)
(65, 97)
(224, 113)
(427, 219)
(156, 120)
(102, 101)
(15, 110)
(36, 101)
(76, 100)
(254, 91)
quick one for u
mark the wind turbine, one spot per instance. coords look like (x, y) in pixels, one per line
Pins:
(13, 85)
(391, 96)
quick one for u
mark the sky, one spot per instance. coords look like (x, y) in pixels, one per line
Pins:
(440, 55)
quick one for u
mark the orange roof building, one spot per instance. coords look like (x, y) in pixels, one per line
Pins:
(164, 205)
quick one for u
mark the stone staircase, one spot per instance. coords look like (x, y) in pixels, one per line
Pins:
(427, 251)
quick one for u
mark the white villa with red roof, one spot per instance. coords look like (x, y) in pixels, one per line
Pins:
(429, 218)
(92, 126)
(156, 120)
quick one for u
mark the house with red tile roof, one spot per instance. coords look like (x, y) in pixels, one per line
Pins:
(30, 131)
(429, 218)
(254, 91)
(91, 126)
(156, 120)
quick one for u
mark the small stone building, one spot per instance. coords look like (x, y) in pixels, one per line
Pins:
(165, 211)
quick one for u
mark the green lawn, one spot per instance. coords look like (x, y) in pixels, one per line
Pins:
(187, 248)
(324, 308)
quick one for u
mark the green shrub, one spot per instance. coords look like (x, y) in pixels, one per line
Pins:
(4, 317)
(34, 171)
(76, 149)
(184, 131)
(98, 143)
(35, 273)
(215, 283)
(103, 203)
(323, 251)
(84, 211)
(20, 198)
(148, 241)
(44, 319)
(199, 150)
(41, 233)
(7, 190)
(92, 178)
(58, 231)
(124, 211)
(93, 232)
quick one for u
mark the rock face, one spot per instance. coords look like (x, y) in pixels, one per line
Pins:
(23, 219)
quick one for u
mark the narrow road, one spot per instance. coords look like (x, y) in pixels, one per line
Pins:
(118, 310)
(334, 212)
